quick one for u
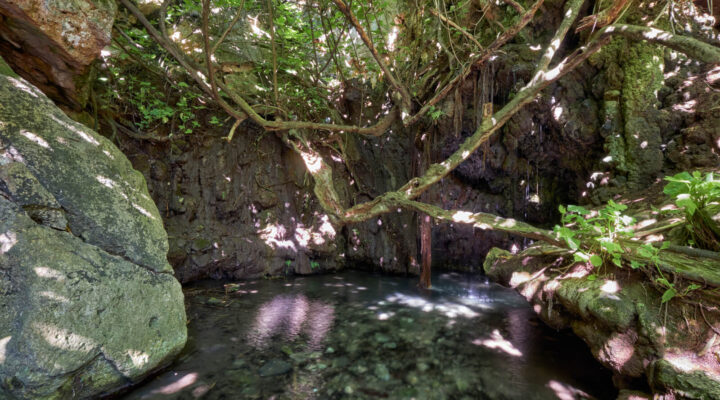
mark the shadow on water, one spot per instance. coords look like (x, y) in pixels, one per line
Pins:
(359, 335)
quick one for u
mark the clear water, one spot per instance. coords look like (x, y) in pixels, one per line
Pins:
(361, 336)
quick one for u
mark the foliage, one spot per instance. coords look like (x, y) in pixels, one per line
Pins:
(605, 226)
(606, 229)
(693, 193)
(149, 101)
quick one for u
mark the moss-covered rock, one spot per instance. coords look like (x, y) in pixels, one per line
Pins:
(621, 318)
(88, 302)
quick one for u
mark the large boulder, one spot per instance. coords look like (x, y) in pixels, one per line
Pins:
(52, 43)
(88, 302)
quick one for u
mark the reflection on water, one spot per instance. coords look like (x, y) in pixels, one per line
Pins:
(289, 316)
(361, 336)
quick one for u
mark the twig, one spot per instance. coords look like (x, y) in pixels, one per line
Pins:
(458, 27)
(515, 5)
(474, 62)
(229, 28)
(274, 51)
(394, 82)
(708, 322)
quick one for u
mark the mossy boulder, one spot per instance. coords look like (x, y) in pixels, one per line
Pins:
(88, 302)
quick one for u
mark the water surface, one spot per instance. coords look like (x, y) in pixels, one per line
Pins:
(362, 336)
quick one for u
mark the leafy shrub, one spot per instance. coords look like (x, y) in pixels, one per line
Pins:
(694, 193)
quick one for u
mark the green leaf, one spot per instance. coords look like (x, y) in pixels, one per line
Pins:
(592, 277)
(685, 201)
(578, 210)
(580, 256)
(668, 295)
(596, 260)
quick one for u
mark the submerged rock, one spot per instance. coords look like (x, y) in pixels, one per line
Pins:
(88, 302)
(275, 367)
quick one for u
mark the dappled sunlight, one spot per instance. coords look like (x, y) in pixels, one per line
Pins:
(3, 348)
(449, 309)
(178, 385)
(138, 358)
(143, 211)
(107, 182)
(610, 287)
(313, 161)
(278, 236)
(564, 391)
(620, 348)
(54, 297)
(291, 316)
(274, 236)
(7, 241)
(463, 217)
(497, 342)
(76, 129)
(64, 339)
(35, 139)
(31, 90)
(49, 273)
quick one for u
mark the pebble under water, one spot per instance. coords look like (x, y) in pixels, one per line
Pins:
(357, 335)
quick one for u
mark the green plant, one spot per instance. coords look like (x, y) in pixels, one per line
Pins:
(604, 226)
(314, 264)
(435, 113)
(694, 193)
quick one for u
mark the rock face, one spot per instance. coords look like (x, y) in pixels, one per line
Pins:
(245, 209)
(88, 302)
(623, 321)
(52, 43)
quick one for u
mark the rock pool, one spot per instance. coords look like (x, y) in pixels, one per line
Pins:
(354, 335)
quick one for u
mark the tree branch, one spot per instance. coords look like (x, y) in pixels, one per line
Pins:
(229, 28)
(474, 62)
(436, 172)
(483, 221)
(394, 82)
(515, 5)
(456, 26)
(694, 48)
(245, 109)
(571, 12)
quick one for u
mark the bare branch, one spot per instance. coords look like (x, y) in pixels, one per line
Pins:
(604, 17)
(571, 12)
(245, 109)
(456, 26)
